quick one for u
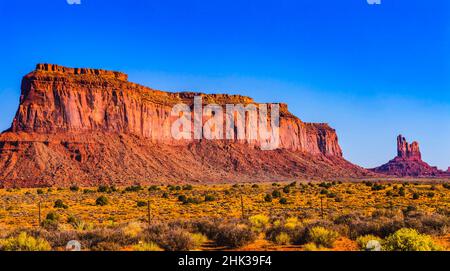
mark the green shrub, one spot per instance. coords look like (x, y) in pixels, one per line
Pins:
(101, 201)
(141, 203)
(209, 197)
(268, 198)
(40, 191)
(198, 239)
(286, 189)
(134, 188)
(410, 240)
(60, 204)
(24, 242)
(283, 201)
(276, 194)
(322, 237)
(258, 222)
(283, 239)
(154, 188)
(74, 188)
(188, 187)
(416, 196)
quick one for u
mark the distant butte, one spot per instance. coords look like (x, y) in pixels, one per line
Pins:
(408, 162)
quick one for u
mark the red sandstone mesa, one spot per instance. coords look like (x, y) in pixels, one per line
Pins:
(90, 126)
(408, 162)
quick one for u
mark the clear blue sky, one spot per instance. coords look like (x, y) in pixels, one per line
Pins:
(372, 72)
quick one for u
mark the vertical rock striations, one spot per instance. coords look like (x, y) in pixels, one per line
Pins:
(408, 162)
(91, 125)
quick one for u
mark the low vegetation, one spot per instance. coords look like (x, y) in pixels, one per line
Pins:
(296, 216)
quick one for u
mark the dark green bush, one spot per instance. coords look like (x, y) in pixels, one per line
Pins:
(101, 201)
(60, 204)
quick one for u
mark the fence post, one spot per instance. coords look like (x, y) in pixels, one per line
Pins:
(321, 207)
(242, 207)
(39, 214)
(149, 213)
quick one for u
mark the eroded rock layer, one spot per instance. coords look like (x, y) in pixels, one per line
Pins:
(79, 125)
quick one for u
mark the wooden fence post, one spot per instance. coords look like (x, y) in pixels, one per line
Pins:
(39, 214)
(149, 213)
(242, 207)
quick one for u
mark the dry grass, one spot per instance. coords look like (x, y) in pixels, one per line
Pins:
(305, 201)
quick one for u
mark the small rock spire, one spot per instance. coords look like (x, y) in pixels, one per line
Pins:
(408, 151)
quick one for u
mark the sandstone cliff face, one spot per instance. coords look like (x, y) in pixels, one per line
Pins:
(90, 126)
(57, 99)
(408, 162)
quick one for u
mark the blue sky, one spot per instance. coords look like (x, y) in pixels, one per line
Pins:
(371, 71)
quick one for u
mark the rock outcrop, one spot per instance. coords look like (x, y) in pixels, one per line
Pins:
(77, 125)
(408, 162)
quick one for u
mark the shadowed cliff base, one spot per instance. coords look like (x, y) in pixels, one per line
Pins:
(89, 126)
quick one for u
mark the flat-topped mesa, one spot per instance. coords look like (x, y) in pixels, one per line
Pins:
(408, 151)
(81, 71)
(57, 99)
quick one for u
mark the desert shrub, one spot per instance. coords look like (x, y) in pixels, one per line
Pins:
(24, 242)
(51, 221)
(182, 198)
(78, 224)
(198, 239)
(410, 240)
(154, 188)
(311, 247)
(283, 239)
(176, 240)
(258, 222)
(132, 229)
(60, 204)
(291, 223)
(40, 191)
(435, 223)
(283, 201)
(230, 234)
(401, 192)
(234, 236)
(363, 240)
(101, 238)
(324, 192)
(325, 185)
(416, 196)
(74, 188)
(430, 195)
(104, 189)
(147, 247)
(209, 197)
(446, 185)
(276, 194)
(165, 195)
(106, 246)
(56, 239)
(331, 195)
(255, 186)
(170, 237)
(141, 203)
(101, 201)
(133, 188)
(88, 191)
(378, 187)
(188, 187)
(287, 189)
(322, 237)
(268, 198)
